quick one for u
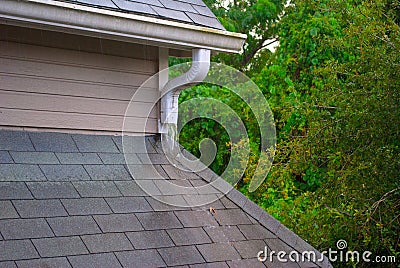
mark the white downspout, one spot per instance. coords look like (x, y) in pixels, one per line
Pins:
(170, 92)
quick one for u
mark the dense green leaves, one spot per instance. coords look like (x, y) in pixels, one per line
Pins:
(334, 87)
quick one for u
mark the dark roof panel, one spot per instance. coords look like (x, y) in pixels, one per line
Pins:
(194, 2)
(171, 4)
(99, 3)
(203, 10)
(134, 7)
(148, 2)
(172, 14)
(205, 21)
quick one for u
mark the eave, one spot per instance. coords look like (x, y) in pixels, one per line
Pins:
(102, 23)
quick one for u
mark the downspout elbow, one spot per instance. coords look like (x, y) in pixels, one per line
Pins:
(170, 93)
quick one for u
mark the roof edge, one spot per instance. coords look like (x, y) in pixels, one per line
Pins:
(108, 24)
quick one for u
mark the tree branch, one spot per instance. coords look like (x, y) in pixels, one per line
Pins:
(246, 59)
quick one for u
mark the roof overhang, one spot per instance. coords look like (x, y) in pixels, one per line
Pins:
(102, 23)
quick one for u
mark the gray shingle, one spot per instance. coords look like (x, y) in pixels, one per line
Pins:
(20, 172)
(39, 208)
(196, 218)
(53, 142)
(75, 225)
(14, 190)
(17, 250)
(255, 231)
(287, 235)
(107, 172)
(210, 265)
(249, 248)
(203, 10)
(253, 209)
(5, 158)
(203, 187)
(147, 172)
(15, 141)
(34, 157)
(248, 263)
(7, 210)
(307, 264)
(218, 252)
(224, 233)
(107, 242)
(25, 228)
(100, 3)
(158, 220)
(189, 236)
(137, 188)
(232, 217)
(204, 201)
(48, 190)
(171, 4)
(78, 158)
(168, 203)
(8, 264)
(132, 144)
(95, 261)
(118, 159)
(95, 144)
(277, 245)
(149, 2)
(194, 2)
(237, 197)
(128, 204)
(174, 187)
(228, 203)
(96, 188)
(153, 159)
(181, 255)
(60, 246)
(205, 21)
(269, 222)
(140, 258)
(172, 14)
(134, 7)
(178, 174)
(64, 172)
(253, 221)
(150, 239)
(86, 206)
(118, 223)
(44, 263)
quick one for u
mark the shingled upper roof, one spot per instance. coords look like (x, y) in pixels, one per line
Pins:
(186, 11)
(68, 200)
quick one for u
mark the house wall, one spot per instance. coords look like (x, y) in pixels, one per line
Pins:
(64, 82)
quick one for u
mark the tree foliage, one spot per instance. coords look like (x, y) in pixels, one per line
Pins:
(334, 87)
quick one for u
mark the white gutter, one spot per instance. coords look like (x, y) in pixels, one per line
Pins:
(96, 22)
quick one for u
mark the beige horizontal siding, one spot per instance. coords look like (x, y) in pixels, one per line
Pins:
(60, 88)
(57, 120)
(63, 87)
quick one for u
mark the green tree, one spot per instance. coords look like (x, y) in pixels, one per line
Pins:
(333, 85)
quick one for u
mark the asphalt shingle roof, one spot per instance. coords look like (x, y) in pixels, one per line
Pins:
(187, 11)
(68, 200)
